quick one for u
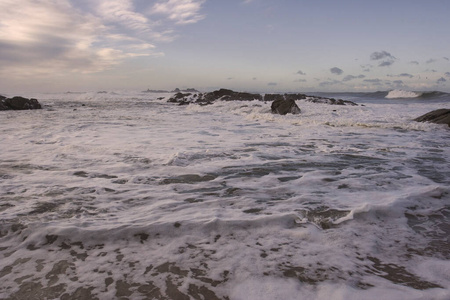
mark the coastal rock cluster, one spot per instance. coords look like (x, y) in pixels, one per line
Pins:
(281, 103)
(18, 103)
(438, 116)
(177, 90)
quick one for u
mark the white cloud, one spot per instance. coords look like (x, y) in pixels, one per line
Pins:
(48, 37)
(121, 11)
(180, 11)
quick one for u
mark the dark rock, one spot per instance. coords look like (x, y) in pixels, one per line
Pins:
(273, 97)
(283, 107)
(191, 90)
(439, 116)
(208, 98)
(294, 96)
(18, 103)
(229, 95)
(155, 91)
(330, 101)
(188, 90)
(179, 97)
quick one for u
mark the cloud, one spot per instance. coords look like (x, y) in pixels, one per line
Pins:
(300, 72)
(402, 75)
(300, 80)
(180, 11)
(381, 55)
(441, 80)
(329, 83)
(374, 81)
(446, 58)
(398, 83)
(336, 71)
(50, 37)
(414, 62)
(430, 61)
(367, 68)
(447, 74)
(388, 58)
(121, 12)
(351, 77)
(386, 63)
(272, 84)
(41, 37)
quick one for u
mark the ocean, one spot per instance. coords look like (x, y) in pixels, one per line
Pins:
(121, 195)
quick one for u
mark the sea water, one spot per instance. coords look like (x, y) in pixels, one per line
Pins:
(121, 195)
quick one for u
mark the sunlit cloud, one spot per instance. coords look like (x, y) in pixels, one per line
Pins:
(122, 12)
(180, 11)
(50, 36)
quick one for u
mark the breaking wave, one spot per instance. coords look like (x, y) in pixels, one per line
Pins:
(402, 94)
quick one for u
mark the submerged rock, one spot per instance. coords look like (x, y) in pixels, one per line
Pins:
(284, 107)
(438, 116)
(18, 103)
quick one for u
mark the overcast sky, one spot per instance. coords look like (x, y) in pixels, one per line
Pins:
(252, 45)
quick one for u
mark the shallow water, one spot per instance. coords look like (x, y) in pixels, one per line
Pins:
(121, 195)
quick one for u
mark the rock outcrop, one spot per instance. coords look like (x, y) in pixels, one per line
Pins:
(209, 98)
(438, 116)
(283, 107)
(281, 103)
(18, 103)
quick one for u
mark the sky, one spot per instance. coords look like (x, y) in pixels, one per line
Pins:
(245, 45)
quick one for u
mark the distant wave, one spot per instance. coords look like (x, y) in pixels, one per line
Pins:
(396, 94)
(402, 94)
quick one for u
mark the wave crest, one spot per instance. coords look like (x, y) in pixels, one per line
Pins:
(402, 94)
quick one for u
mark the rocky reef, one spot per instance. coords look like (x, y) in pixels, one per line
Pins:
(18, 103)
(281, 103)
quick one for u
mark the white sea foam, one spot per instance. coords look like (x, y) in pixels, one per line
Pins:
(128, 196)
